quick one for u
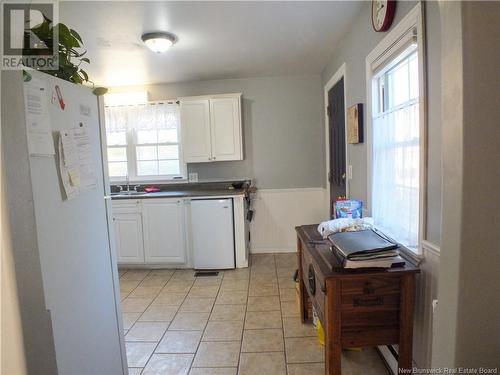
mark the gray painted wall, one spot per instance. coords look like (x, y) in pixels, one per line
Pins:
(468, 329)
(283, 129)
(352, 50)
(478, 344)
(284, 114)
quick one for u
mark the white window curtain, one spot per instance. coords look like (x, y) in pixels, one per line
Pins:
(151, 116)
(395, 178)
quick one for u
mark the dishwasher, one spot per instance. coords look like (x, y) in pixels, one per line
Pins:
(212, 233)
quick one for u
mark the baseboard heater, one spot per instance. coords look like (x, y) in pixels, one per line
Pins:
(389, 354)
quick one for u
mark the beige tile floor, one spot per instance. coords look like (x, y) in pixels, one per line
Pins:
(243, 322)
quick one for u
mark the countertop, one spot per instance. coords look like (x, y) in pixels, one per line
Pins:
(182, 194)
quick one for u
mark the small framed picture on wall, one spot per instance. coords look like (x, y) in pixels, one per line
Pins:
(355, 124)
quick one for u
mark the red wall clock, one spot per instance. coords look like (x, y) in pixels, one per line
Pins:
(383, 14)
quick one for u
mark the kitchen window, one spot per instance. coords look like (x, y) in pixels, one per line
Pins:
(143, 142)
(396, 135)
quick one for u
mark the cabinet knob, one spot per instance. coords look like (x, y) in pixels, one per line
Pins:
(214, 158)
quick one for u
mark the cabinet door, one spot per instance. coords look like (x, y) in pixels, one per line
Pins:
(195, 131)
(226, 129)
(163, 227)
(128, 232)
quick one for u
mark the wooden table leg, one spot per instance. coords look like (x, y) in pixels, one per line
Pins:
(333, 345)
(303, 297)
(304, 311)
(406, 323)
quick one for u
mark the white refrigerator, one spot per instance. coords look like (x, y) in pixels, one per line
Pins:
(72, 238)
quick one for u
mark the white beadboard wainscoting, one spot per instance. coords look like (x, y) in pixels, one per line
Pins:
(278, 212)
(427, 286)
(425, 294)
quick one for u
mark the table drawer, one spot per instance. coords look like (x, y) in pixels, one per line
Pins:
(370, 302)
(379, 319)
(371, 294)
(374, 285)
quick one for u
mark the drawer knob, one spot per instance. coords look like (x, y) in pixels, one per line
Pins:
(312, 280)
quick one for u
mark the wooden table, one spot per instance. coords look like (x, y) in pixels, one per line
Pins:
(364, 307)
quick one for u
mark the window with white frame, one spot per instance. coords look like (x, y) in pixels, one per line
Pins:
(143, 142)
(397, 145)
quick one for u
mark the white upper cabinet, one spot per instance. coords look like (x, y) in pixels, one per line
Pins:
(195, 130)
(226, 129)
(211, 128)
(163, 223)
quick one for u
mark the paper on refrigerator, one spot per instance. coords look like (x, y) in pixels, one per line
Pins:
(68, 166)
(38, 129)
(86, 164)
(76, 166)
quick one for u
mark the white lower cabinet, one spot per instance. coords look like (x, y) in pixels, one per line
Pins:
(163, 229)
(127, 222)
(160, 232)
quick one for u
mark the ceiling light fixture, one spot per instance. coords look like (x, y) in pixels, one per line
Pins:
(159, 42)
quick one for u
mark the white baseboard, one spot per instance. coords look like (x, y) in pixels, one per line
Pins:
(278, 212)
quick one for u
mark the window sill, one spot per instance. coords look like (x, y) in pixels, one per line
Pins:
(411, 256)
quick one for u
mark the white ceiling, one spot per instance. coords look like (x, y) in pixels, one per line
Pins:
(215, 39)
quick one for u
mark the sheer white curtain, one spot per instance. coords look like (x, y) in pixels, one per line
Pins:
(395, 173)
(116, 119)
(151, 116)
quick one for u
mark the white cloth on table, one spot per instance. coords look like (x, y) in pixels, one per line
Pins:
(344, 225)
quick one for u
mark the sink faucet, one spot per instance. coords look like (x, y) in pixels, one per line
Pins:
(128, 183)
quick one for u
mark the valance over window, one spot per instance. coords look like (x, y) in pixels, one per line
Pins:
(150, 116)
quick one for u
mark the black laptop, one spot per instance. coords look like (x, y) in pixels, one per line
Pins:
(365, 244)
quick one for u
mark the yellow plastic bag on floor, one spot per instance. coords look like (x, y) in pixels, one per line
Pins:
(321, 337)
(321, 333)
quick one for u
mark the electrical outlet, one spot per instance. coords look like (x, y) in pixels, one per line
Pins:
(193, 177)
(349, 172)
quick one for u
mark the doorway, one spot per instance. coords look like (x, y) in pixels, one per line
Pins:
(336, 141)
